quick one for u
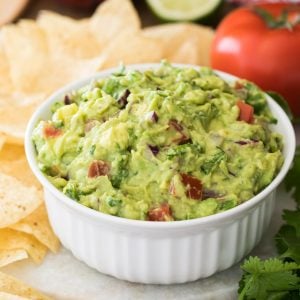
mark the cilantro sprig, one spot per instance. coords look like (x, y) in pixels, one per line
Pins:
(278, 278)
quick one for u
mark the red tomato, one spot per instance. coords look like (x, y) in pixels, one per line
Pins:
(246, 112)
(161, 213)
(49, 131)
(193, 186)
(249, 46)
(98, 168)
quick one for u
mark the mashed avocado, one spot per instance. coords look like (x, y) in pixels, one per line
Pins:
(166, 144)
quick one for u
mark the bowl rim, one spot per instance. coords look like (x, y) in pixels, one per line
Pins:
(102, 217)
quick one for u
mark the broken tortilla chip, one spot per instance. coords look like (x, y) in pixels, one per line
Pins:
(183, 42)
(136, 48)
(11, 285)
(12, 239)
(75, 40)
(12, 255)
(11, 152)
(2, 140)
(37, 224)
(12, 160)
(27, 68)
(7, 296)
(113, 18)
(17, 200)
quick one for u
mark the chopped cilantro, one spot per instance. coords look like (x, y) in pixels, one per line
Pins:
(58, 124)
(71, 190)
(92, 149)
(180, 150)
(113, 202)
(213, 161)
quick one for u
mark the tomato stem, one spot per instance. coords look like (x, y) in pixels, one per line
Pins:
(282, 21)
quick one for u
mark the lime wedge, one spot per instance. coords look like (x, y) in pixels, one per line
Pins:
(183, 10)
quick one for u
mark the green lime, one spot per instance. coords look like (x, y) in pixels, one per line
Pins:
(183, 10)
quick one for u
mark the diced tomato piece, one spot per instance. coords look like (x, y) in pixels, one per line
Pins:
(246, 112)
(98, 168)
(193, 186)
(161, 213)
(50, 131)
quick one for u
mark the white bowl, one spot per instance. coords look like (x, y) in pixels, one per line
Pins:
(159, 252)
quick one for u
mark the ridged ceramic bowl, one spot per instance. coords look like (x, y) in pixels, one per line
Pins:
(159, 252)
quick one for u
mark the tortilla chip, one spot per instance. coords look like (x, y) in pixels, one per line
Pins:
(2, 141)
(14, 119)
(7, 296)
(68, 69)
(112, 18)
(12, 160)
(9, 284)
(75, 39)
(15, 113)
(37, 224)
(131, 48)
(26, 48)
(9, 256)
(17, 200)
(5, 80)
(184, 42)
(11, 152)
(13, 169)
(12, 239)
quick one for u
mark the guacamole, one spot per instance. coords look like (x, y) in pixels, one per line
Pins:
(160, 145)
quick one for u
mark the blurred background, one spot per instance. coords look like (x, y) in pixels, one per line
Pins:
(84, 8)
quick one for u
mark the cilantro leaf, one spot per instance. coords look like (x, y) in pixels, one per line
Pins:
(287, 243)
(292, 218)
(213, 161)
(292, 178)
(268, 279)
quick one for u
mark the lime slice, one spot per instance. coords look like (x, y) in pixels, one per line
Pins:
(183, 10)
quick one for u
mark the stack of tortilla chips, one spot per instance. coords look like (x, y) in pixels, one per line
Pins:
(37, 58)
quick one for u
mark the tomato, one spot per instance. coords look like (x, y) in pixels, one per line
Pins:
(193, 187)
(161, 213)
(49, 131)
(246, 112)
(98, 168)
(262, 45)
